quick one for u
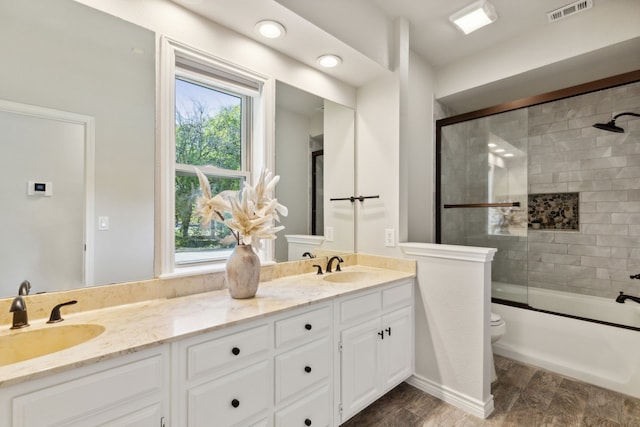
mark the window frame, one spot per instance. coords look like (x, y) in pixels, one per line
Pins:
(182, 61)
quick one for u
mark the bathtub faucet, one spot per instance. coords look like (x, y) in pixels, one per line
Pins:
(622, 298)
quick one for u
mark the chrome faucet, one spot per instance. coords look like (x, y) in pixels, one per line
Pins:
(19, 310)
(622, 298)
(333, 258)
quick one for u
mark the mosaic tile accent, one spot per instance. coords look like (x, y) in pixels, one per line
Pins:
(557, 211)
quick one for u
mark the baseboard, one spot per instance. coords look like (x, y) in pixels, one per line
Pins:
(466, 403)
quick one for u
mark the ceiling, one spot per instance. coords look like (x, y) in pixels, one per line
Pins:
(437, 40)
(348, 28)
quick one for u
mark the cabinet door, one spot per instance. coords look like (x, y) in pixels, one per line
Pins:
(397, 347)
(359, 366)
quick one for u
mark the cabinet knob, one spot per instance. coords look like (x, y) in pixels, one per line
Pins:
(308, 326)
(235, 351)
(307, 369)
(389, 331)
(307, 422)
(381, 333)
(235, 403)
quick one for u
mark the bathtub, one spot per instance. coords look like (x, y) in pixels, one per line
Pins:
(597, 353)
(584, 306)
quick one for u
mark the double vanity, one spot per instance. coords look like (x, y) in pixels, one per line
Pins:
(308, 350)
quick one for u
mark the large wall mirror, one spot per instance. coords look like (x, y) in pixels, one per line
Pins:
(315, 161)
(64, 57)
(72, 60)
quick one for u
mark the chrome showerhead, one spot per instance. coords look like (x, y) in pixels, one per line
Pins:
(611, 126)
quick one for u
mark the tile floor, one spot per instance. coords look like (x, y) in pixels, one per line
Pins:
(524, 396)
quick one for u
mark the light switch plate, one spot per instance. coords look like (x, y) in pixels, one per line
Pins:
(103, 223)
(328, 234)
(389, 237)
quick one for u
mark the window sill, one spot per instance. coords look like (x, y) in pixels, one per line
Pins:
(194, 270)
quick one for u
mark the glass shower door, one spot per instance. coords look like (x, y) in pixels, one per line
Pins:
(483, 184)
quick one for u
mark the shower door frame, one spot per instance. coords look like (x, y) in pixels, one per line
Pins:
(605, 83)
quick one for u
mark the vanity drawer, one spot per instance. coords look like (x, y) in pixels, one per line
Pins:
(302, 326)
(302, 367)
(204, 357)
(231, 399)
(313, 410)
(114, 392)
(361, 307)
(398, 295)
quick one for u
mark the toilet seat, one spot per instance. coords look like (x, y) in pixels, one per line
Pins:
(496, 319)
(498, 327)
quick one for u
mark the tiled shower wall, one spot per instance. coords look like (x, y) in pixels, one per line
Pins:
(566, 154)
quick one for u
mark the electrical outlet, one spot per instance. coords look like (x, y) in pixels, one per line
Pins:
(328, 234)
(389, 238)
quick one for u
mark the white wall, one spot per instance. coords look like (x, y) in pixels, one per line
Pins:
(377, 163)
(420, 140)
(453, 337)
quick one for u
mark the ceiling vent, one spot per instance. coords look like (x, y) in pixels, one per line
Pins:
(569, 9)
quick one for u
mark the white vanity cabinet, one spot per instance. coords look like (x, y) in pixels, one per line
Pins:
(313, 365)
(224, 378)
(376, 344)
(128, 391)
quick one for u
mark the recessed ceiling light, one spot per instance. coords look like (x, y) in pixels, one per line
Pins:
(329, 61)
(509, 155)
(499, 150)
(270, 29)
(491, 144)
(475, 16)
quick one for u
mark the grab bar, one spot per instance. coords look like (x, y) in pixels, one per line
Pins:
(484, 205)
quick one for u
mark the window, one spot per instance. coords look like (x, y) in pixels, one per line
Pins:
(213, 118)
(211, 132)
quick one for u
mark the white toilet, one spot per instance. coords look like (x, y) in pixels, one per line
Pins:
(498, 329)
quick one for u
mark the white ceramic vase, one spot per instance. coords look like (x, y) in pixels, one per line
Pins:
(243, 272)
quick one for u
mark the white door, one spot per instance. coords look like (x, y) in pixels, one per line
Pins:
(43, 232)
(397, 350)
(359, 366)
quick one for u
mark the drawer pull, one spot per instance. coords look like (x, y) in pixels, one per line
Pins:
(307, 422)
(389, 331)
(308, 326)
(235, 351)
(307, 369)
(381, 333)
(235, 403)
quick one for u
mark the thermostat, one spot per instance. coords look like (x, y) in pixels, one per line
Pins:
(39, 188)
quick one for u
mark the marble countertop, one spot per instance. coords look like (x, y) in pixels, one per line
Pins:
(133, 327)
